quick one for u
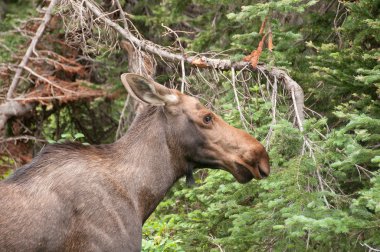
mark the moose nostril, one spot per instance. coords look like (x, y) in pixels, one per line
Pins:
(262, 173)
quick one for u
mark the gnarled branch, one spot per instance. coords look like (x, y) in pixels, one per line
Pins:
(290, 85)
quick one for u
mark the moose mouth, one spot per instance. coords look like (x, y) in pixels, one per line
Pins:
(246, 173)
(242, 171)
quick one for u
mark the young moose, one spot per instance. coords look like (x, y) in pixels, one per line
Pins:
(73, 197)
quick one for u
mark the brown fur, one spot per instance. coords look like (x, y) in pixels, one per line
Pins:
(73, 197)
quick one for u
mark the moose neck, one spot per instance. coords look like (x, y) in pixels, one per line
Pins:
(151, 165)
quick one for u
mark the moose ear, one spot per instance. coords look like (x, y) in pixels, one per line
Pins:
(147, 91)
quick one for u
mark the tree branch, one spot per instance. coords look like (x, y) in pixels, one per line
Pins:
(289, 84)
(31, 48)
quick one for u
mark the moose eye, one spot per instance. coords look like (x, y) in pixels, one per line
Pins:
(207, 119)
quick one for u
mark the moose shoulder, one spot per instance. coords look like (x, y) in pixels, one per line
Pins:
(96, 198)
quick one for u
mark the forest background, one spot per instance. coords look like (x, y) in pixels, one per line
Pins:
(323, 138)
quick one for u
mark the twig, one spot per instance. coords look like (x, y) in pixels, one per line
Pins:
(296, 111)
(322, 187)
(370, 248)
(274, 105)
(18, 138)
(31, 48)
(224, 64)
(237, 98)
(5, 47)
(171, 31)
(121, 12)
(47, 80)
(183, 76)
(121, 119)
(212, 239)
(365, 171)
(40, 98)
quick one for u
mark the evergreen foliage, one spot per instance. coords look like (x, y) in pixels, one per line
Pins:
(320, 201)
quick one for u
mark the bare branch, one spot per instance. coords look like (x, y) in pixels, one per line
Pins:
(47, 80)
(121, 125)
(203, 62)
(22, 138)
(369, 247)
(183, 76)
(121, 13)
(31, 49)
(233, 81)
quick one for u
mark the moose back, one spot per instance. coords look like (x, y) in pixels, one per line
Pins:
(73, 197)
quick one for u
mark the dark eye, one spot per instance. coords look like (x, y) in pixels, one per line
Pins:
(207, 119)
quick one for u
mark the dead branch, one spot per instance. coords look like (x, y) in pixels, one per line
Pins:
(24, 138)
(274, 105)
(183, 81)
(289, 84)
(237, 98)
(47, 80)
(121, 13)
(139, 62)
(37, 36)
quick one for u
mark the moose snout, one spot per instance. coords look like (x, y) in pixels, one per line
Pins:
(259, 159)
(263, 172)
(253, 164)
(263, 164)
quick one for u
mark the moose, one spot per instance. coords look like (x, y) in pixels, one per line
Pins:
(75, 197)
